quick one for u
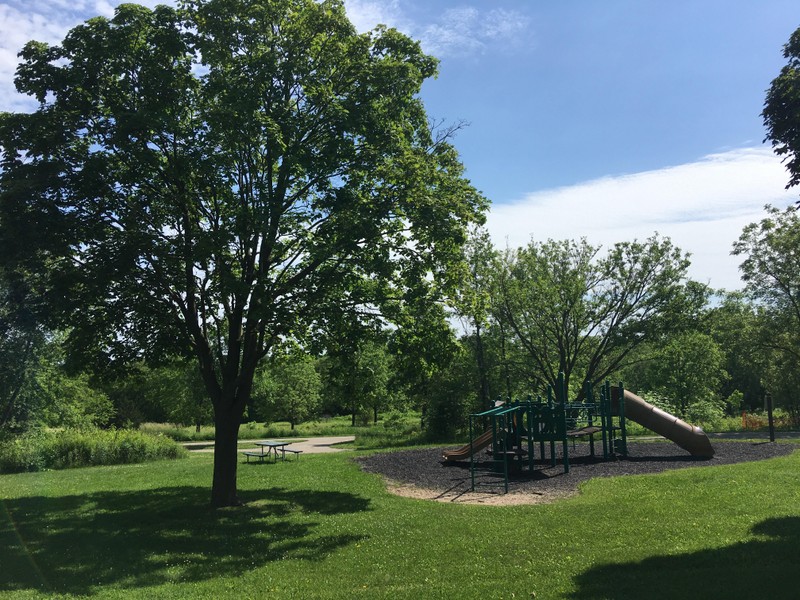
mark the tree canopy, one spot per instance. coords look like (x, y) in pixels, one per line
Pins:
(782, 110)
(574, 312)
(770, 268)
(771, 272)
(211, 179)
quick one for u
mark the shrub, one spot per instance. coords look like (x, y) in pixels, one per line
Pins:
(177, 432)
(708, 415)
(394, 420)
(40, 449)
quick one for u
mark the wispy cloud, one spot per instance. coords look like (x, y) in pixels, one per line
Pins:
(457, 31)
(467, 30)
(366, 14)
(702, 206)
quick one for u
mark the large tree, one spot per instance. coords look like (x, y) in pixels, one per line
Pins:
(687, 371)
(288, 388)
(771, 272)
(575, 312)
(212, 179)
(473, 301)
(735, 323)
(782, 110)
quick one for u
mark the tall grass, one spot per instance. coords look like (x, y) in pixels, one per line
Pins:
(727, 424)
(42, 450)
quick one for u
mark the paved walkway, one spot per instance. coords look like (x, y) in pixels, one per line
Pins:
(314, 445)
(321, 445)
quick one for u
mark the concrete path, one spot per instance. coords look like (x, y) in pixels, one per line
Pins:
(314, 445)
(321, 445)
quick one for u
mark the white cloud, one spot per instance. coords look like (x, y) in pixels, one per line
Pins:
(366, 14)
(106, 9)
(456, 32)
(467, 30)
(19, 27)
(504, 24)
(701, 206)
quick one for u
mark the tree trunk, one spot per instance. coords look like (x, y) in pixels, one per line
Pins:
(485, 396)
(505, 361)
(6, 413)
(16, 388)
(226, 457)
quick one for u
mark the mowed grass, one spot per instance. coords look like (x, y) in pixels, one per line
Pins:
(321, 528)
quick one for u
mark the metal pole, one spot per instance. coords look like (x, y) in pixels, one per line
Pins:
(623, 419)
(471, 455)
(769, 416)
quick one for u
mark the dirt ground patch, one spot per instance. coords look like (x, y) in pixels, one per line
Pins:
(423, 474)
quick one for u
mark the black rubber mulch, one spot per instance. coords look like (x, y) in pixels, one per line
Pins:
(426, 469)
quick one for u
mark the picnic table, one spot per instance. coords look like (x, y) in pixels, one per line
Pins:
(269, 448)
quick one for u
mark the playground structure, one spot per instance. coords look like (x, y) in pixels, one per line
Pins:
(516, 428)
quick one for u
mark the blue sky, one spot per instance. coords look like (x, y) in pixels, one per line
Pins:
(606, 120)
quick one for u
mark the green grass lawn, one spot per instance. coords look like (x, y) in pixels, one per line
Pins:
(320, 528)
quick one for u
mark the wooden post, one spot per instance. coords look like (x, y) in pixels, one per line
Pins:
(769, 417)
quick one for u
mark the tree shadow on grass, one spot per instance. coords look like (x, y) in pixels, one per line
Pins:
(72, 544)
(761, 568)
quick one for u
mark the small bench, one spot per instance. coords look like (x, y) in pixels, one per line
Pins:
(255, 454)
(262, 455)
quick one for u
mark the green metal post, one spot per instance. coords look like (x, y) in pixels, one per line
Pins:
(549, 406)
(589, 418)
(529, 412)
(471, 455)
(494, 434)
(505, 450)
(622, 424)
(605, 407)
(561, 398)
(611, 434)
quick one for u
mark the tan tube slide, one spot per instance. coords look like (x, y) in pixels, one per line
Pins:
(688, 437)
(479, 443)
